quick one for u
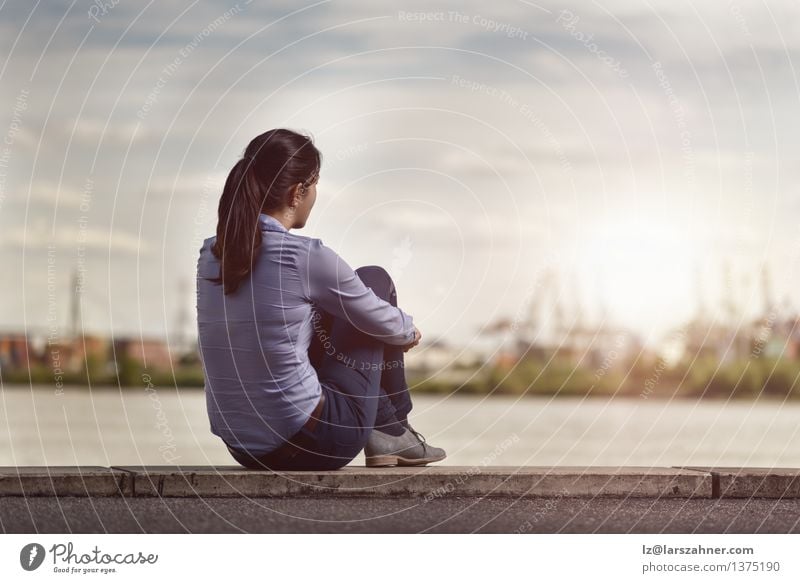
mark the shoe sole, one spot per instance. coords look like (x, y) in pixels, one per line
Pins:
(379, 461)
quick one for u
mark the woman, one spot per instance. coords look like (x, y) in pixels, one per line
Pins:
(303, 356)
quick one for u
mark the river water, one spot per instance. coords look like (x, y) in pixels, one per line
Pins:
(106, 426)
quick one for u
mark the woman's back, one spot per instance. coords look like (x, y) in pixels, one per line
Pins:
(260, 384)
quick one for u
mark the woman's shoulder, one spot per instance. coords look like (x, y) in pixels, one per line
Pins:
(315, 255)
(206, 251)
(207, 263)
(311, 244)
(320, 250)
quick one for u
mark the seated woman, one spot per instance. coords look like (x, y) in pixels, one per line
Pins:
(302, 355)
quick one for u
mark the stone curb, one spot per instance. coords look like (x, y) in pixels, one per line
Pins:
(428, 482)
(752, 482)
(64, 481)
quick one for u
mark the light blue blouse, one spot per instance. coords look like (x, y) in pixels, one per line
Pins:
(259, 383)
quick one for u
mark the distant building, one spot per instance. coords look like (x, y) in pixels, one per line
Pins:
(154, 353)
(15, 351)
(73, 355)
(776, 337)
(440, 359)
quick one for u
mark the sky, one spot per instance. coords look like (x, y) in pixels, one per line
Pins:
(634, 162)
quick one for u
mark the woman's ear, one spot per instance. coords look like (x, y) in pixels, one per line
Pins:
(296, 195)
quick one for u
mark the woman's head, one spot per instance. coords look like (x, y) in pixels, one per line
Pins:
(276, 175)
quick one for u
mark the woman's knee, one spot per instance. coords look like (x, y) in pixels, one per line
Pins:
(377, 279)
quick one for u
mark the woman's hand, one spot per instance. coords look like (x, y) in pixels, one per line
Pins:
(417, 338)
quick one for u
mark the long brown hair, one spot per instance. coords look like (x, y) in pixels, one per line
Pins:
(272, 164)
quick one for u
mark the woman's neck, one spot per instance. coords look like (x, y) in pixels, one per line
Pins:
(282, 217)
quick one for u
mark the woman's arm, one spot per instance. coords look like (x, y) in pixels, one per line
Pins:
(337, 289)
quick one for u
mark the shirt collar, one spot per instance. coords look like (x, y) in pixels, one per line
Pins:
(270, 223)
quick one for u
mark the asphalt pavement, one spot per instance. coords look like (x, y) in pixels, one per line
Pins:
(397, 515)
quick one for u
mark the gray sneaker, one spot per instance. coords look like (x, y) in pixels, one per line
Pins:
(408, 449)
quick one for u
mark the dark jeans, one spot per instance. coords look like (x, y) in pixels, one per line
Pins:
(364, 383)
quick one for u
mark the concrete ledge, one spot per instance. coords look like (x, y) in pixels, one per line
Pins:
(64, 481)
(754, 482)
(353, 481)
(428, 482)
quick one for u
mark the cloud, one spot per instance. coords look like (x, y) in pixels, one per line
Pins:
(191, 186)
(38, 236)
(92, 130)
(50, 193)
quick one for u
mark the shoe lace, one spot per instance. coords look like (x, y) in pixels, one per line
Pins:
(420, 437)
